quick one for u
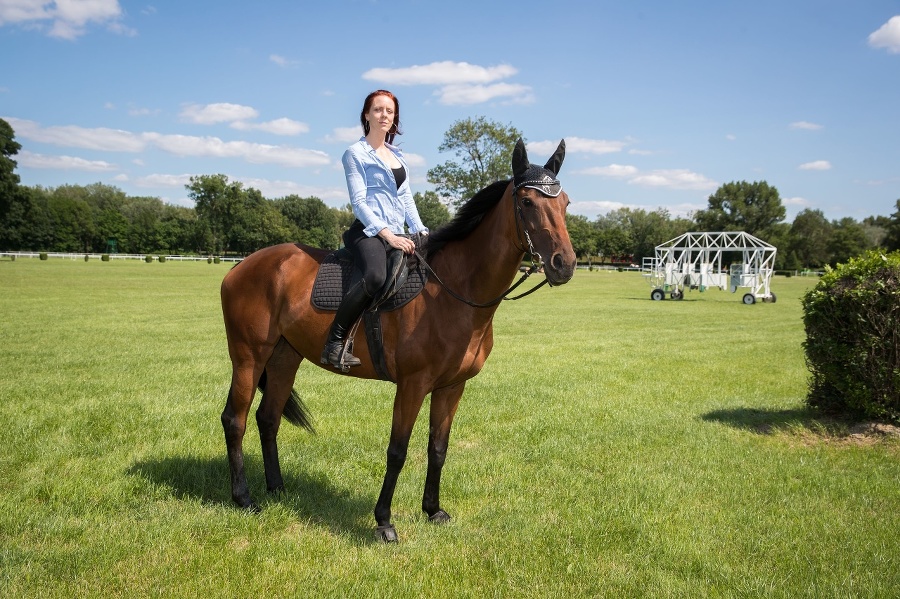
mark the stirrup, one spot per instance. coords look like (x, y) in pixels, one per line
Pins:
(337, 355)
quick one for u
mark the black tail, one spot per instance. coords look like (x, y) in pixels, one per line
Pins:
(295, 410)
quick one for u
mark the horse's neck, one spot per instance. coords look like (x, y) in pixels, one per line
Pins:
(484, 265)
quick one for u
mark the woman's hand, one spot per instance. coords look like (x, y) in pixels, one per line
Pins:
(403, 244)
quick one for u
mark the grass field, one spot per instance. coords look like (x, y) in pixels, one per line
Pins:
(612, 446)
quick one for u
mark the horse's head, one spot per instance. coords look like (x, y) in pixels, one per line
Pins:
(540, 205)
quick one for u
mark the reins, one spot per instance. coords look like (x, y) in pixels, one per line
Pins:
(521, 233)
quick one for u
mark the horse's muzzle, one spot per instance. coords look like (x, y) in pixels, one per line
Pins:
(559, 269)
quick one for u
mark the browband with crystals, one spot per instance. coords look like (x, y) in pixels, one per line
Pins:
(540, 179)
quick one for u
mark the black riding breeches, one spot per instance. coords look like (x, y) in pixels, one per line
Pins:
(370, 254)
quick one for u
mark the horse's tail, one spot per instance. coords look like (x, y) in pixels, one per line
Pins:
(295, 411)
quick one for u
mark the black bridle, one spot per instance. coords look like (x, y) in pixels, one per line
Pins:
(522, 238)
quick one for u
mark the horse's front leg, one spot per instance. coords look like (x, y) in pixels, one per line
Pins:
(407, 403)
(443, 407)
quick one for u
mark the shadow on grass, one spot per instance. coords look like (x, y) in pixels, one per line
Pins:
(769, 422)
(310, 498)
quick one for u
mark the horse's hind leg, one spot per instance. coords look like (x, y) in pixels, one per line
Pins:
(279, 381)
(244, 377)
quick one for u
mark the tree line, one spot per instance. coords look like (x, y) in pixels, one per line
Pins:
(229, 218)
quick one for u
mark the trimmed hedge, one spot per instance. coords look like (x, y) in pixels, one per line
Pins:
(852, 322)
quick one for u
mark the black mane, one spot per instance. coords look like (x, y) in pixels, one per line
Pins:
(467, 218)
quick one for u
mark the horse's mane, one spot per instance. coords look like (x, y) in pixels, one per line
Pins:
(467, 218)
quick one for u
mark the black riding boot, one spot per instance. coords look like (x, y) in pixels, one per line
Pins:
(350, 309)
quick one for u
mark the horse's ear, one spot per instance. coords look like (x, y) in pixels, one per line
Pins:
(519, 158)
(555, 162)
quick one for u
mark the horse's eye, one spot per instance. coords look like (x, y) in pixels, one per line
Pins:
(527, 202)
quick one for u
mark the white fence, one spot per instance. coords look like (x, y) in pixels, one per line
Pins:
(141, 257)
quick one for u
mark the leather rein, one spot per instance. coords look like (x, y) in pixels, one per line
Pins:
(523, 238)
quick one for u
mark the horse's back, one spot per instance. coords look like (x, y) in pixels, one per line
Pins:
(265, 289)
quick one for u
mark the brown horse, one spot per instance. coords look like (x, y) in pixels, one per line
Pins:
(433, 344)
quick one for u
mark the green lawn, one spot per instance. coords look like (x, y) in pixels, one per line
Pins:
(612, 446)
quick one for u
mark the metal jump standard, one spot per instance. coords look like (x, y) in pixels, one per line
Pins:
(727, 260)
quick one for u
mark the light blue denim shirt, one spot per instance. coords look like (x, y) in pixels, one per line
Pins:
(374, 196)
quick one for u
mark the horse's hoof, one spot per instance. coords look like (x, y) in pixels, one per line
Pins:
(279, 490)
(252, 508)
(439, 517)
(386, 534)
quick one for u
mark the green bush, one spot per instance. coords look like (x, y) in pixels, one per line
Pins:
(86, 257)
(216, 260)
(43, 256)
(209, 260)
(148, 258)
(161, 259)
(852, 321)
(104, 258)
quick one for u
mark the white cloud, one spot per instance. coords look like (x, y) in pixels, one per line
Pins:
(459, 83)
(187, 145)
(180, 145)
(796, 201)
(465, 94)
(221, 112)
(151, 181)
(31, 160)
(65, 19)
(887, 36)
(440, 73)
(816, 165)
(578, 144)
(280, 60)
(414, 160)
(731, 137)
(675, 179)
(613, 170)
(668, 178)
(72, 136)
(805, 125)
(282, 126)
(344, 134)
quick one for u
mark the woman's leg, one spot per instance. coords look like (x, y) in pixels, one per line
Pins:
(371, 257)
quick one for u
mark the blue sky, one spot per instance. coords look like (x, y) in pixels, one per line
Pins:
(659, 102)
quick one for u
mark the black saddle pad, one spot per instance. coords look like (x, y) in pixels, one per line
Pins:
(336, 275)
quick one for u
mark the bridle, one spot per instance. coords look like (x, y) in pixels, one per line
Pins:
(522, 238)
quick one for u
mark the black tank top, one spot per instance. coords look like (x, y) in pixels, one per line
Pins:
(399, 175)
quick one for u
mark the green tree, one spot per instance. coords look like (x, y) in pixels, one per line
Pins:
(218, 204)
(483, 149)
(809, 237)
(9, 180)
(740, 206)
(583, 235)
(310, 221)
(432, 212)
(179, 230)
(891, 239)
(71, 218)
(848, 240)
(613, 237)
(144, 215)
(257, 223)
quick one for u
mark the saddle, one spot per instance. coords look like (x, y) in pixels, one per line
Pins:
(405, 280)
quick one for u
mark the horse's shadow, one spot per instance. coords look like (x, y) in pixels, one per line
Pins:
(311, 498)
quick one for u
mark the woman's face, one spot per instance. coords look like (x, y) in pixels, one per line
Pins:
(381, 114)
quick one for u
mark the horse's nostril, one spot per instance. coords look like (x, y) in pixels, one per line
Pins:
(557, 261)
